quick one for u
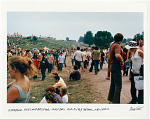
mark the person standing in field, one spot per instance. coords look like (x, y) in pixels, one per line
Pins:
(65, 55)
(102, 59)
(96, 59)
(50, 59)
(57, 55)
(61, 59)
(36, 60)
(91, 68)
(137, 62)
(43, 64)
(72, 57)
(88, 54)
(83, 64)
(78, 57)
(116, 65)
(109, 63)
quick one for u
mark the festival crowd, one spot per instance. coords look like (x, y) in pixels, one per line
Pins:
(23, 64)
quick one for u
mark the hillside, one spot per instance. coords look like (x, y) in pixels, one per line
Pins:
(41, 43)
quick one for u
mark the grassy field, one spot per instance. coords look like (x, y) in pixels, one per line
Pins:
(41, 43)
(78, 90)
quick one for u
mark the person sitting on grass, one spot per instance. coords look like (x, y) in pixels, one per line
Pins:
(56, 74)
(50, 98)
(59, 84)
(75, 75)
(52, 90)
(64, 94)
(20, 69)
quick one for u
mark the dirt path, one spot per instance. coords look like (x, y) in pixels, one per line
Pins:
(100, 86)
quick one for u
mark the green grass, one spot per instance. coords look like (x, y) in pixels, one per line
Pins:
(46, 42)
(79, 91)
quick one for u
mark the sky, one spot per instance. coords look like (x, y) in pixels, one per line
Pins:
(74, 24)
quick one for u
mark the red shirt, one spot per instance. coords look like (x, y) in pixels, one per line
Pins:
(36, 62)
(115, 48)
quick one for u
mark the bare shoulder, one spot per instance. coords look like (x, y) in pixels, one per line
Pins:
(140, 53)
(13, 91)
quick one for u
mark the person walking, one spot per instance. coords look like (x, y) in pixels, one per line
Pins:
(116, 65)
(61, 59)
(43, 64)
(96, 59)
(57, 55)
(50, 59)
(102, 59)
(78, 57)
(72, 57)
(91, 68)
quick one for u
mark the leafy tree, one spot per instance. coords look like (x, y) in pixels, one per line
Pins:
(103, 39)
(88, 38)
(139, 36)
(29, 37)
(34, 38)
(81, 39)
(67, 39)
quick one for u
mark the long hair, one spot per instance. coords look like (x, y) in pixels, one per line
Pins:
(23, 64)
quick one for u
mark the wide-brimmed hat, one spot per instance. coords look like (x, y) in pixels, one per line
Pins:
(132, 44)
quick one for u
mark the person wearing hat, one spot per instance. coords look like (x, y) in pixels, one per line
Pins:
(116, 65)
(137, 62)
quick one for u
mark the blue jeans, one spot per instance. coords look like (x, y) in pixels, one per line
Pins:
(96, 62)
(43, 73)
(78, 63)
(50, 67)
(60, 66)
(72, 62)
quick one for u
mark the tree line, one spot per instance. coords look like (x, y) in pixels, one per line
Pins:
(102, 39)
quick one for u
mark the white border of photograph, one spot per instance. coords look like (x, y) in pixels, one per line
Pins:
(114, 110)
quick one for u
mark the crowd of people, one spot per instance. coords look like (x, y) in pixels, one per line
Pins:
(24, 64)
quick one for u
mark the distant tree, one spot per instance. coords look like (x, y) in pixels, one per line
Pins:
(139, 36)
(103, 39)
(29, 37)
(81, 39)
(34, 38)
(124, 41)
(88, 38)
(67, 39)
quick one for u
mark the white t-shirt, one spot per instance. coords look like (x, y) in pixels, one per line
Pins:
(84, 56)
(72, 55)
(43, 100)
(78, 55)
(61, 59)
(61, 79)
(65, 98)
(88, 54)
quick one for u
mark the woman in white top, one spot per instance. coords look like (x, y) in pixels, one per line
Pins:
(64, 94)
(137, 62)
